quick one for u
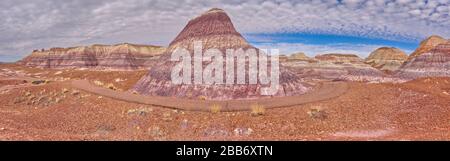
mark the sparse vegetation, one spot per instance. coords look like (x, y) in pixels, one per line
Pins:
(111, 86)
(317, 113)
(257, 110)
(99, 83)
(140, 111)
(202, 98)
(215, 108)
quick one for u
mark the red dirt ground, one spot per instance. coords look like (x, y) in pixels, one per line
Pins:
(416, 110)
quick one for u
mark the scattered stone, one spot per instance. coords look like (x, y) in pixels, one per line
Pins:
(57, 100)
(243, 131)
(37, 82)
(167, 116)
(104, 129)
(215, 132)
(184, 124)
(75, 92)
(18, 100)
(156, 132)
(142, 111)
(27, 94)
(65, 90)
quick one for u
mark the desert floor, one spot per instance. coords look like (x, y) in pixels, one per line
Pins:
(58, 110)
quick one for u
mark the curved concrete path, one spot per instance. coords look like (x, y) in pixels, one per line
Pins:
(323, 92)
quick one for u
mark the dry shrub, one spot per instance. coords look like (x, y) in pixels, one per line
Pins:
(317, 112)
(98, 83)
(111, 86)
(258, 110)
(216, 108)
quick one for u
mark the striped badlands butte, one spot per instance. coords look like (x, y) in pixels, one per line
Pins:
(214, 30)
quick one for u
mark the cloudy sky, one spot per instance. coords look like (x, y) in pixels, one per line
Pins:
(317, 26)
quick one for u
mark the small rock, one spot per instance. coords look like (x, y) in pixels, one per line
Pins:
(184, 124)
(140, 111)
(57, 100)
(75, 92)
(156, 132)
(18, 100)
(167, 117)
(243, 131)
(27, 94)
(215, 132)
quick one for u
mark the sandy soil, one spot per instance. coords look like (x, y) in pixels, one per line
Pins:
(416, 110)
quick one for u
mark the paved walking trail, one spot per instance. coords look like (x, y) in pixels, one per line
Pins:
(325, 91)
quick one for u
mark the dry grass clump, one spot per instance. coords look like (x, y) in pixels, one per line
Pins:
(216, 108)
(99, 83)
(202, 98)
(257, 110)
(111, 86)
(317, 112)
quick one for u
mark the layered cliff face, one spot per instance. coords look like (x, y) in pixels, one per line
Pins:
(337, 66)
(214, 30)
(110, 57)
(434, 63)
(427, 45)
(386, 58)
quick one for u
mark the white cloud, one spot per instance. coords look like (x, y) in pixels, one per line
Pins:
(31, 24)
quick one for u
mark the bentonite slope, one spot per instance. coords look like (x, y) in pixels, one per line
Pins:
(336, 66)
(386, 58)
(434, 63)
(427, 45)
(113, 57)
(214, 30)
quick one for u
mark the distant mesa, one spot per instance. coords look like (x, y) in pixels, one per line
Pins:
(339, 58)
(433, 63)
(214, 30)
(100, 57)
(294, 58)
(387, 58)
(300, 56)
(427, 45)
